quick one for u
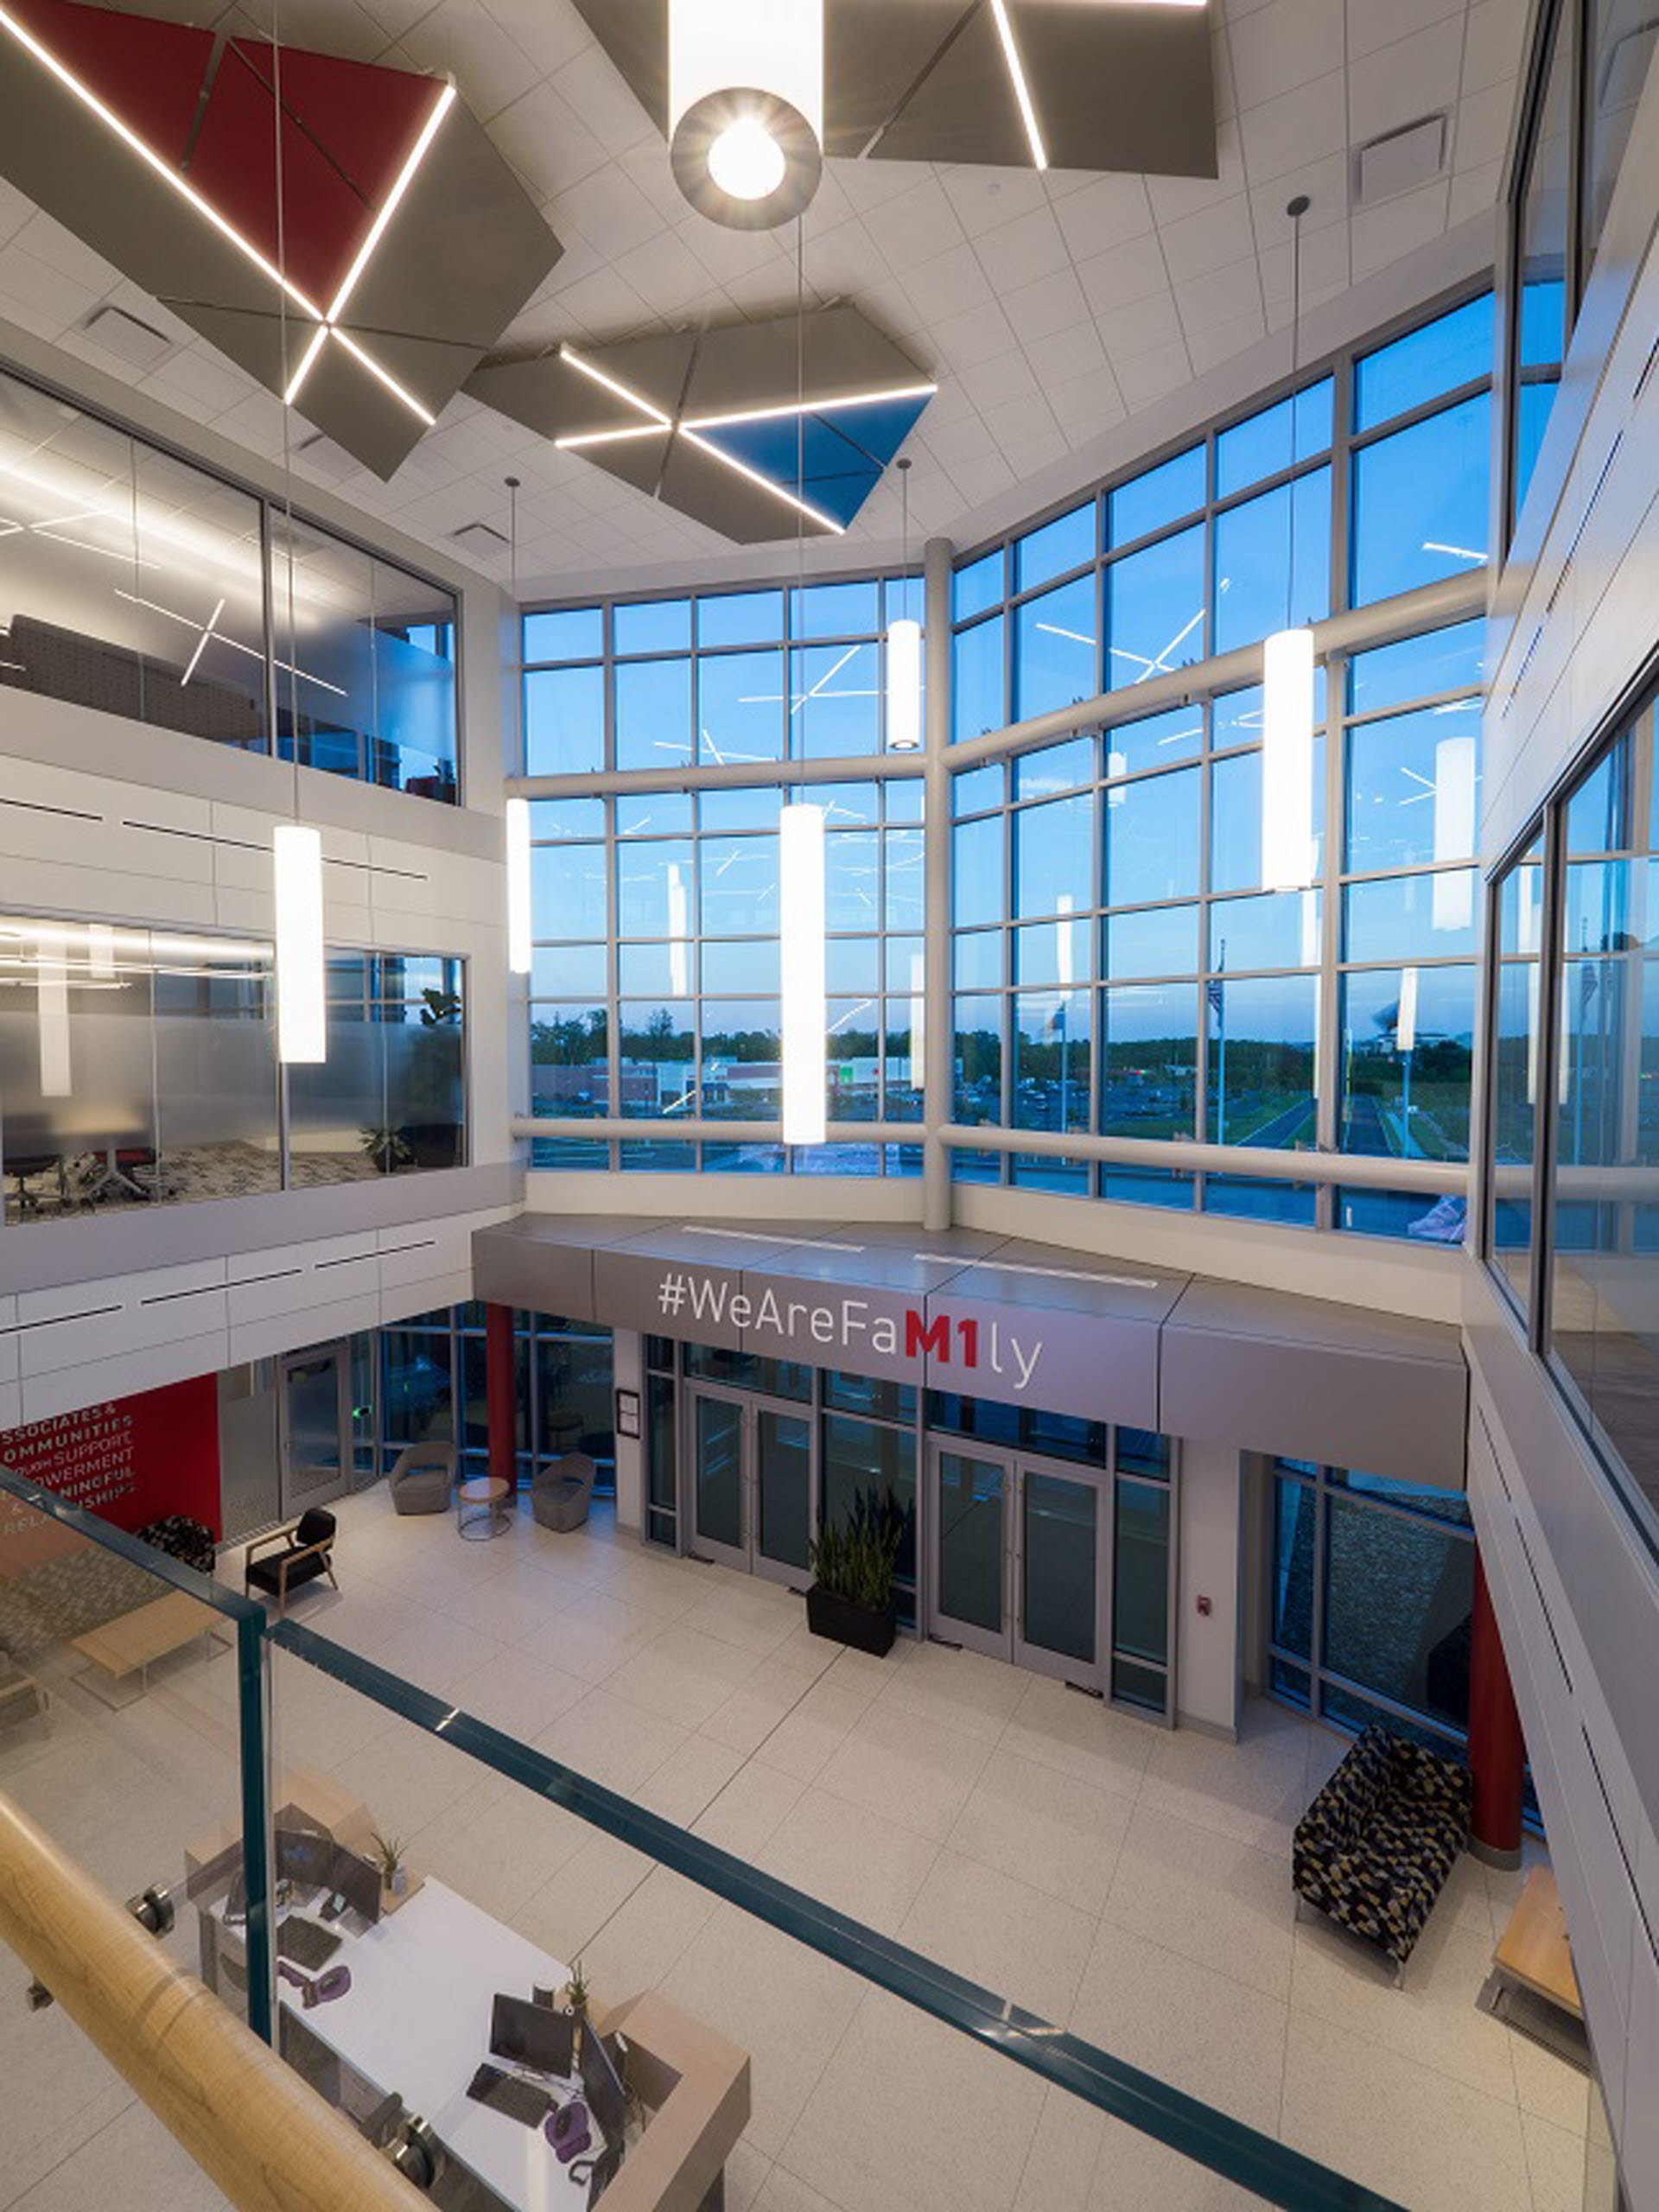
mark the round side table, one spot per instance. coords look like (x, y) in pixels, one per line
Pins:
(482, 1507)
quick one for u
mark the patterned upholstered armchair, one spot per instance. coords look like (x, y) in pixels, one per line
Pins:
(1377, 1845)
(181, 1538)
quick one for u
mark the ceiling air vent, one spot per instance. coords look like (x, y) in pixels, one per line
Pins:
(123, 334)
(1399, 160)
(480, 537)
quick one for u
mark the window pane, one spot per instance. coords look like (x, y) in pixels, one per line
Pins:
(1411, 917)
(653, 626)
(1052, 953)
(1414, 668)
(1405, 1089)
(654, 814)
(1253, 561)
(1152, 839)
(1261, 1066)
(1621, 37)
(978, 700)
(978, 1053)
(1261, 1197)
(978, 961)
(835, 705)
(1412, 788)
(567, 890)
(1261, 446)
(567, 817)
(1294, 1517)
(1414, 1650)
(852, 610)
(741, 705)
(569, 971)
(904, 882)
(653, 887)
(1544, 312)
(653, 713)
(976, 889)
(1156, 609)
(1419, 502)
(735, 968)
(1056, 660)
(1064, 543)
(1141, 1571)
(739, 879)
(567, 1071)
(1515, 1068)
(741, 1043)
(1156, 741)
(1053, 856)
(1051, 1060)
(1153, 941)
(564, 721)
(565, 633)
(739, 809)
(978, 587)
(865, 1462)
(1162, 495)
(743, 617)
(978, 789)
(852, 879)
(1278, 930)
(1438, 357)
(1055, 768)
(1425, 1220)
(1149, 1050)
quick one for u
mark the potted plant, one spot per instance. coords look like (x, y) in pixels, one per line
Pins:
(394, 1874)
(853, 1561)
(386, 1149)
(573, 1996)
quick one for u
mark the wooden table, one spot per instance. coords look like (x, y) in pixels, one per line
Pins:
(1533, 1952)
(15, 1685)
(481, 1508)
(131, 1643)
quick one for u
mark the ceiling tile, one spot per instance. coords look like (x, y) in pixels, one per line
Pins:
(1286, 43)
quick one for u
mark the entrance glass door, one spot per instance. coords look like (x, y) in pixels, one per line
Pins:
(1022, 1568)
(753, 1479)
(315, 1427)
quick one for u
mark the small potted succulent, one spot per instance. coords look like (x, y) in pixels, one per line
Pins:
(394, 1874)
(851, 1600)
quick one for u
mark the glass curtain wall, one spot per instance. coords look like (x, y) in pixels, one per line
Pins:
(135, 582)
(1192, 556)
(711, 677)
(139, 1066)
(1572, 1204)
(1589, 64)
(432, 1386)
(655, 978)
(1372, 1588)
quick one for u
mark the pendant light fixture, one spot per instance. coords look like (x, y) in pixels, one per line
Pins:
(905, 650)
(806, 1008)
(746, 107)
(1288, 673)
(520, 932)
(296, 848)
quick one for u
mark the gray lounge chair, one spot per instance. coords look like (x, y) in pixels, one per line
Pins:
(424, 1478)
(559, 1494)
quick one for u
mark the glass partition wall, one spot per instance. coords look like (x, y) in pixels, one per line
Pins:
(138, 583)
(139, 1066)
(1572, 1207)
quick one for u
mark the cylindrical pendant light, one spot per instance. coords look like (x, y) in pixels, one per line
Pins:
(904, 651)
(746, 107)
(52, 1016)
(301, 981)
(1287, 674)
(520, 909)
(805, 1011)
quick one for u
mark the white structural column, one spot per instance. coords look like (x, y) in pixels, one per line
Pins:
(938, 1048)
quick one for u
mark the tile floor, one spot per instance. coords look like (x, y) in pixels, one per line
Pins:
(1126, 1882)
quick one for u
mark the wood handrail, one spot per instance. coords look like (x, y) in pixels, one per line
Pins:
(260, 2133)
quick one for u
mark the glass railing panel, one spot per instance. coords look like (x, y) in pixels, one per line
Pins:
(131, 1735)
(711, 1905)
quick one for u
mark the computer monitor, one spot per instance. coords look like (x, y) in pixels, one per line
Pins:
(602, 2085)
(305, 1858)
(527, 2034)
(357, 1880)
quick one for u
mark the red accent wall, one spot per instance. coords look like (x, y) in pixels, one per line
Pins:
(131, 1460)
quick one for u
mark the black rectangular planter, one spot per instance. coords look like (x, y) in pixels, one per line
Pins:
(864, 1628)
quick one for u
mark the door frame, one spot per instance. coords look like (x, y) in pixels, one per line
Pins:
(751, 1408)
(1008, 1643)
(339, 1350)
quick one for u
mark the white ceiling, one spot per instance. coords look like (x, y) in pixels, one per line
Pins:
(1050, 308)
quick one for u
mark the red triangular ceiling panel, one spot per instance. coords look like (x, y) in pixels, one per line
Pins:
(364, 117)
(149, 74)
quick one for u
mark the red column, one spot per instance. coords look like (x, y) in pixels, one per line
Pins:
(500, 1397)
(1497, 1752)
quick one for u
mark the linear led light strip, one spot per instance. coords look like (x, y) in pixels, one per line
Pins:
(417, 154)
(235, 644)
(228, 230)
(690, 426)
